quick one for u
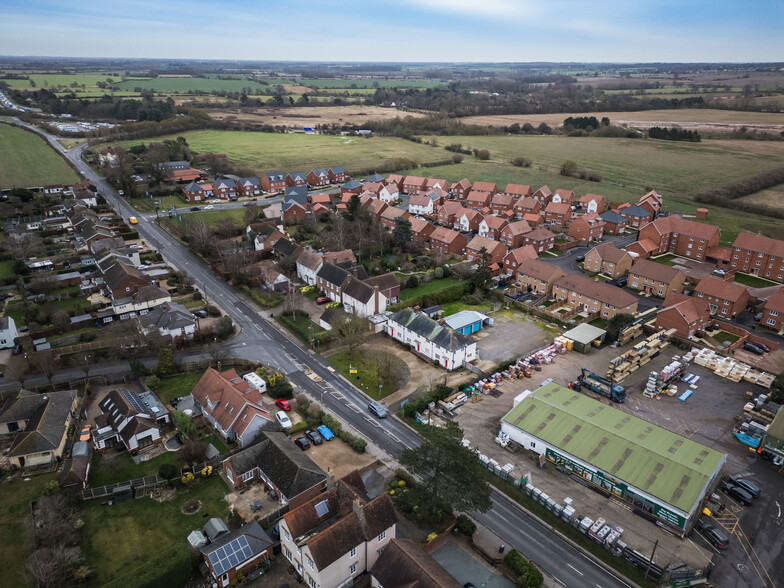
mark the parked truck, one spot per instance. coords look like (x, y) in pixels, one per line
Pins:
(603, 386)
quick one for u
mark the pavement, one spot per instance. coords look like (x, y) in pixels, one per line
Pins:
(465, 566)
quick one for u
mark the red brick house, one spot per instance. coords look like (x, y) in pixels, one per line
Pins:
(724, 298)
(526, 205)
(295, 179)
(375, 207)
(587, 228)
(293, 210)
(614, 223)
(387, 218)
(518, 191)
(414, 185)
(758, 255)
(535, 220)
(515, 257)
(397, 180)
(593, 203)
(636, 216)
(123, 280)
(372, 187)
(501, 203)
(447, 242)
(562, 195)
(654, 278)
(449, 212)
(685, 314)
(273, 182)
(432, 184)
(320, 199)
(496, 249)
(541, 239)
(543, 195)
(461, 189)
(197, 192)
(489, 187)
(249, 186)
(421, 230)
(491, 227)
(318, 177)
(652, 202)
(469, 221)
(388, 285)
(477, 200)
(557, 214)
(594, 296)
(225, 188)
(534, 275)
(513, 234)
(673, 234)
(337, 175)
(773, 311)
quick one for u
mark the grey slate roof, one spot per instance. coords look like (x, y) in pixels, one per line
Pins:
(284, 247)
(253, 181)
(276, 176)
(226, 182)
(193, 187)
(332, 274)
(320, 172)
(296, 193)
(338, 169)
(170, 316)
(440, 335)
(376, 178)
(257, 538)
(612, 217)
(358, 290)
(352, 185)
(45, 414)
(635, 211)
(298, 176)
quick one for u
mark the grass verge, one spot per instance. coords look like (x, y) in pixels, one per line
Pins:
(754, 281)
(370, 372)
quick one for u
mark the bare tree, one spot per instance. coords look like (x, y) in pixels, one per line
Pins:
(55, 521)
(352, 332)
(293, 301)
(60, 318)
(84, 362)
(193, 452)
(47, 362)
(23, 244)
(228, 228)
(218, 353)
(200, 234)
(53, 567)
(18, 369)
(251, 213)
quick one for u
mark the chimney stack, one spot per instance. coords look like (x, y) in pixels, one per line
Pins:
(359, 510)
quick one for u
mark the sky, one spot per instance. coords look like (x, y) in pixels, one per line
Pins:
(399, 30)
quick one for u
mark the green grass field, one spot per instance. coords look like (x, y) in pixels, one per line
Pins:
(177, 385)
(213, 216)
(26, 161)
(428, 288)
(754, 281)
(329, 83)
(114, 467)
(367, 377)
(208, 84)
(6, 270)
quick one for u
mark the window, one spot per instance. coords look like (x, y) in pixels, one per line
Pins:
(286, 534)
(723, 311)
(774, 313)
(287, 553)
(771, 321)
(353, 552)
(382, 536)
(311, 582)
(353, 569)
(310, 563)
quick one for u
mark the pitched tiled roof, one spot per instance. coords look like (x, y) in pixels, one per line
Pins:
(149, 293)
(478, 242)
(404, 564)
(501, 199)
(464, 183)
(384, 281)
(340, 256)
(258, 542)
(358, 290)
(721, 289)
(416, 180)
(420, 200)
(539, 269)
(310, 260)
(518, 189)
(224, 395)
(776, 301)
(613, 217)
(689, 307)
(609, 252)
(494, 222)
(540, 234)
(543, 191)
(338, 169)
(419, 225)
(759, 244)
(392, 212)
(559, 208)
(598, 290)
(520, 254)
(332, 274)
(529, 203)
(682, 226)
(635, 211)
(440, 335)
(484, 187)
(565, 194)
(588, 197)
(520, 227)
(45, 415)
(451, 207)
(655, 271)
(477, 196)
(444, 234)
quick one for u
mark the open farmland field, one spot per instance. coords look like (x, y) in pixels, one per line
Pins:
(308, 116)
(699, 118)
(54, 80)
(207, 84)
(330, 83)
(772, 197)
(263, 152)
(26, 161)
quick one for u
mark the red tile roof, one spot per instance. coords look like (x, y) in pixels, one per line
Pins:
(720, 289)
(494, 222)
(520, 227)
(518, 189)
(484, 187)
(759, 244)
(776, 301)
(609, 252)
(655, 271)
(597, 290)
(444, 234)
(521, 254)
(676, 224)
(478, 242)
(539, 269)
(226, 396)
(559, 208)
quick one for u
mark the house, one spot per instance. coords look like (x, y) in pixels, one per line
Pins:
(318, 177)
(614, 223)
(673, 234)
(308, 265)
(342, 256)
(421, 230)
(495, 249)
(541, 239)
(447, 242)
(225, 188)
(122, 280)
(489, 187)
(389, 193)
(108, 157)
(449, 212)
(543, 195)
(280, 465)
(431, 340)
(338, 536)
(526, 205)
(534, 220)
(759, 256)
(196, 193)
(249, 187)
(376, 178)
(352, 187)
(395, 180)
(330, 279)
(8, 332)
(265, 240)
(388, 285)
(404, 563)
(467, 322)
(294, 211)
(469, 221)
(537, 276)
(566, 196)
(491, 227)
(515, 257)
(337, 175)
(375, 207)
(593, 203)
(127, 420)
(513, 234)
(170, 319)
(652, 202)
(636, 217)
(413, 185)
(557, 213)
(362, 299)
(236, 552)
(587, 228)
(231, 405)
(460, 189)
(724, 298)
(284, 247)
(594, 296)
(390, 214)
(685, 314)
(518, 191)
(501, 203)
(773, 311)
(654, 278)
(320, 199)
(265, 273)
(432, 184)
(607, 259)
(140, 302)
(273, 182)
(39, 424)
(421, 204)
(296, 179)
(477, 200)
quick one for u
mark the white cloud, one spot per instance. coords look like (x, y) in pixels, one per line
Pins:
(495, 9)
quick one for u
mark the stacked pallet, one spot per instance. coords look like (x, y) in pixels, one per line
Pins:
(621, 367)
(729, 368)
(629, 334)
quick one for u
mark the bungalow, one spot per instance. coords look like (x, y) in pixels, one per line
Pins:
(654, 278)
(249, 187)
(773, 311)
(337, 175)
(491, 227)
(537, 276)
(390, 214)
(557, 213)
(469, 221)
(652, 202)
(594, 296)
(685, 314)
(489, 187)
(477, 200)
(421, 230)
(273, 182)
(518, 191)
(593, 203)
(231, 405)
(413, 185)
(614, 223)
(758, 255)
(495, 249)
(296, 179)
(515, 257)
(513, 233)
(447, 242)
(232, 554)
(128, 421)
(420, 204)
(449, 212)
(636, 216)
(389, 193)
(318, 177)
(225, 188)
(361, 299)
(308, 265)
(562, 195)
(501, 203)
(460, 189)
(541, 239)
(607, 259)
(526, 205)
(170, 319)
(724, 298)
(543, 195)
(673, 234)
(431, 340)
(388, 285)
(330, 279)
(587, 228)
(395, 180)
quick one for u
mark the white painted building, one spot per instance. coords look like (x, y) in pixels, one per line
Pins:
(389, 194)
(308, 265)
(8, 332)
(431, 340)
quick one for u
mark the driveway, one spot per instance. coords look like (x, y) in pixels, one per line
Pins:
(464, 566)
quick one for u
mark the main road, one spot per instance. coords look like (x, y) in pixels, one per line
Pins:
(262, 341)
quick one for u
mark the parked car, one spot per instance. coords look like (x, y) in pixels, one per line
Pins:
(283, 419)
(302, 443)
(758, 316)
(326, 433)
(620, 281)
(5, 296)
(136, 247)
(580, 258)
(141, 268)
(283, 404)
(752, 348)
(747, 485)
(762, 346)
(195, 208)
(713, 534)
(314, 437)
(84, 435)
(322, 299)
(209, 207)
(201, 313)
(738, 494)
(377, 409)
(720, 272)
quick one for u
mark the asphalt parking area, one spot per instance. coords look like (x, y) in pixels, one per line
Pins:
(511, 336)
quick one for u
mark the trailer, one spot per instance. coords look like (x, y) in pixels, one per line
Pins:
(592, 381)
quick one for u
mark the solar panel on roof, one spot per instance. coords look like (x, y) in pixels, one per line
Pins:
(133, 400)
(322, 508)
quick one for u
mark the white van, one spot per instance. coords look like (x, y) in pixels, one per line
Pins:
(255, 381)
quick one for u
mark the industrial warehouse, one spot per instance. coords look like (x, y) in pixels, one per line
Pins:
(659, 474)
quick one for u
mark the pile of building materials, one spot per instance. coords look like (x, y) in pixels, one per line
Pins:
(622, 367)
(659, 382)
(629, 334)
(729, 368)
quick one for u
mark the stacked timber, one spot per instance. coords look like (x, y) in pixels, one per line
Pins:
(639, 355)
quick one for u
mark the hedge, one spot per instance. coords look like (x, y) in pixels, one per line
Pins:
(528, 575)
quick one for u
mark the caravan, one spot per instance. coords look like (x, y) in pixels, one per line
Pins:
(255, 381)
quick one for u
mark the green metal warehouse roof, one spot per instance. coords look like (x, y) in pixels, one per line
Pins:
(670, 467)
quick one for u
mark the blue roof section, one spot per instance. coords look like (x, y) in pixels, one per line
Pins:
(464, 318)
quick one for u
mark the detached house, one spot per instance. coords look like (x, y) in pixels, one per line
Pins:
(654, 278)
(673, 234)
(565, 196)
(414, 185)
(614, 223)
(225, 188)
(491, 227)
(433, 184)
(196, 192)
(231, 405)
(236, 552)
(421, 204)
(652, 202)
(318, 177)
(395, 180)
(273, 182)
(431, 340)
(421, 230)
(526, 205)
(489, 187)
(447, 242)
(593, 203)
(295, 179)
(362, 299)
(557, 214)
(724, 298)
(477, 200)
(308, 265)
(513, 234)
(404, 563)
(469, 221)
(537, 276)
(518, 191)
(608, 260)
(515, 257)
(390, 213)
(773, 311)
(495, 249)
(636, 216)
(249, 186)
(759, 256)
(460, 189)
(130, 420)
(122, 281)
(586, 228)
(685, 314)
(388, 193)
(543, 195)
(502, 203)
(337, 175)
(594, 296)
(449, 212)
(541, 239)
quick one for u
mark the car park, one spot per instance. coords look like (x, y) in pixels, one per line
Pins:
(209, 207)
(322, 299)
(713, 534)
(283, 419)
(377, 410)
(326, 433)
(738, 494)
(283, 404)
(302, 443)
(752, 348)
(314, 437)
(747, 485)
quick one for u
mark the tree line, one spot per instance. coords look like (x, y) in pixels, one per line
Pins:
(674, 134)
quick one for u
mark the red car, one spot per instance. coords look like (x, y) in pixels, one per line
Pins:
(322, 300)
(283, 404)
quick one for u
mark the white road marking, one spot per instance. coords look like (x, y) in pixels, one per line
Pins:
(372, 422)
(575, 569)
(391, 435)
(778, 506)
